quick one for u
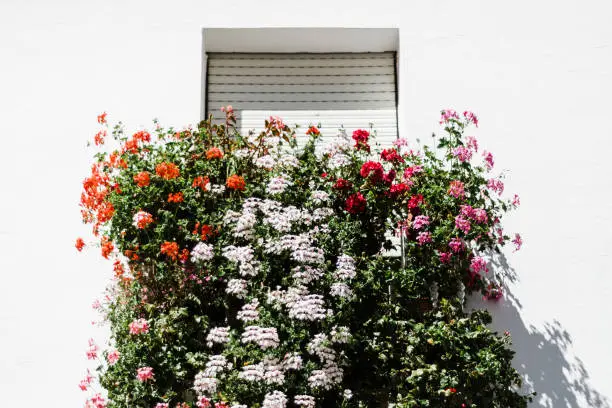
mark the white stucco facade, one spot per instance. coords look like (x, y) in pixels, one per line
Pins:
(538, 74)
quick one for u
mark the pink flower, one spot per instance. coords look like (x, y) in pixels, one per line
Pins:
(494, 292)
(467, 211)
(445, 257)
(420, 221)
(448, 114)
(456, 245)
(221, 405)
(496, 185)
(516, 201)
(95, 402)
(144, 374)
(480, 215)
(488, 158)
(478, 264)
(139, 326)
(96, 304)
(400, 142)
(470, 117)
(457, 189)
(462, 153)
(389, 177)
(92, 351)
(462, 224)
(424, 237)
(517, 241)
(84, 384)
(162, 405)
(500, 235)
(203, 402)
(472, 143)
(113, 356)
(412, 170)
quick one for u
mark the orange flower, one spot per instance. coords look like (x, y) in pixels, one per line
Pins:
(107, 247)
(102, 118)
(313, 131)
(200, 182)
(143, 136)
(142, 179)
(142, 219)
(175, 197)
(79, 244)
(131, 146)
(235, 182)
(214, 153)
(131, 254)
(114, 160)
(99, 137)
(118, 268)
(184, 255)
(207, 232)
(170, 249)
(167, 171)
(105, 212)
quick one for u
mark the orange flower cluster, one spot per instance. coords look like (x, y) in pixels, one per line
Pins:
(235, 182)
(207, 231)
(107, 247)
(175, 197)
(102, 118)
(167, 171)
(200, 182)
(79, 244)
(93, 198)
(131, 254)
(142, 179)
(170, 249)
(214, 153)
(143, 220)
(184, 255)
(142, 136)
(313, 130)
(99, 137)
(114, 160)
(118, 269)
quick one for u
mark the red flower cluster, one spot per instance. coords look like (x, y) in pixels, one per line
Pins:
(99, 137)
(142, 179)
(102, 118)
(372, 170)
(107, 247)
(360, 137)
(398, 190)
(214, 153)
(167, 171)
(207, 231)
(170, 249)
(415, 201)
(79, 244)
(355, 203)
(235, 182)
(342, 184)
(313, 130)
(391, 155)
(200, 182)
(175, 197)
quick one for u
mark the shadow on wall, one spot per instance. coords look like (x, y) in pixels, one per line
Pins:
(543, 356)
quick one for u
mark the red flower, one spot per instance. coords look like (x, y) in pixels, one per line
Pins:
(389, 177)
(214, 153)
(360, 137)
(184, 255)
(391, 155)
(107, 247)
(397, 190)
(313, 131)
(235, 182)
(167, 171)
(342, 184)
(175, 197)
(118, 268)
(143, 136)
(79, 244)
(99, 137)
(142, 179)
(372, 170)
(200, 182)
(415, 201)
(102, 118)
(355, 203)
(170, 249)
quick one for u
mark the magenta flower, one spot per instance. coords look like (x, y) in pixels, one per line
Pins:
(472, 143)
(144, 374)
(445, 257)
(462, 153)
(516, 201)
(420, 221)
(97, 401)
(470, 117)
(457, 189)
(478, 265)
(467, 211)
(139, 326)
(462, 224)
(448, 114)
(517, 241)
(496, 185)
(411, 171)
(162, 405)
(424, 237)
(488, 158)
(479, 215)
(456, 245)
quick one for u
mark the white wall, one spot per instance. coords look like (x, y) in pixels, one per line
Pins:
(538, 74)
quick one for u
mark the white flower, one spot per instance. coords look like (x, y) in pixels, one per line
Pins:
(347, 394)
(338, 160)
(306, 274)
(215, 365)
(217, 189)
(340, 334)
(275, 399)
(265, 337)
(288, 160)
(292, 361)
(308, 307)
(319, 197)
(218, 335)
(274, 371)
(247, 266)
(252, 372)
(278, 185)
(202, 252)
(319, 347)
(237, 287)
(341, 290)
(305, 401)
(345, 267)
(249, 312)
(266, 162)
(204, 385)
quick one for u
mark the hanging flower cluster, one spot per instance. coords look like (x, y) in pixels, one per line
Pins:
(249, 272)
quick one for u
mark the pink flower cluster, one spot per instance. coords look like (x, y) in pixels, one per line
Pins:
(488, 158)
(457, 189)
(97, 401)
(448, 114)
(517, 241)
(463, 153)
(420, 221)
(144, 374)
(456, 245)
(478, 265)
(477, 214)
(462, 224)
(496, 185)
(424, 237)
(92, 351)
(139, 326)
(113, 356)
(84, 384)
(470, 117)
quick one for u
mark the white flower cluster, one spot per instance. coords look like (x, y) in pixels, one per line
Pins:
(292, 361)
(265, 337)
(273, 371)
(219, 335)
(204, 385)
(319, 197)
(327, 377)
(243, 256)
(278, 185)
(340, 334)
(288, 160)
(319, 346)
(217, 189)
(237, 287)
(345, 268)
(266, 162)
(305, 401)
(202, 252)
(338, 144)
(308, 307)
(341, 290)
(252, 372)
(304, 274)
(215, 365)
(249, 312)
(275, 399)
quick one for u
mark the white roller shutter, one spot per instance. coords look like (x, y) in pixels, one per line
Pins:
(347, 90)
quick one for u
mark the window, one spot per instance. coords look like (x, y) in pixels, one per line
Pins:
(331, 77)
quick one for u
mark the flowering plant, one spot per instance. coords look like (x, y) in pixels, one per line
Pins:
(253, 272)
